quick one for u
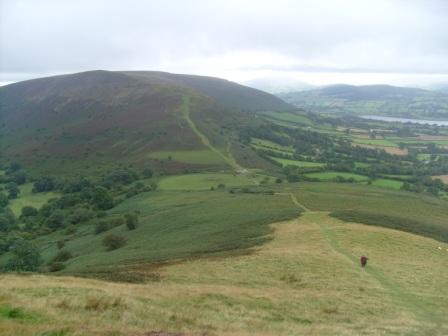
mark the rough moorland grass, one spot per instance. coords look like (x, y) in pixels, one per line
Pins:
(202, 156)
(305, 281)
(418, 213)
(177, 225)
(328, 176)
(28, 198)
(206, 181)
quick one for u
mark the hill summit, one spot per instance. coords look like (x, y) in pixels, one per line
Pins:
(103, 117)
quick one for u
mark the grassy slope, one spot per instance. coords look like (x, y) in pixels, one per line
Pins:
(175, 225)
(28, 198)
(288, 162)
(95, 120)
(327, 176)
(206, 181)
(306, 280)
(416, 213)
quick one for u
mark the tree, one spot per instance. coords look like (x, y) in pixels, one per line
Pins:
(19, 177)
(29, 211)
(13, 190)
(102, 199)
(44, 184)
(7, 220)
(56, 220)
(131, 221)
(25, 257)
(147, 173)
(4, 200)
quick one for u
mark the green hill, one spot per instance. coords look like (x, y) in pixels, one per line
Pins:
(96, 118)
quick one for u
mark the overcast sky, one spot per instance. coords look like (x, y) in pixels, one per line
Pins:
(316, 41)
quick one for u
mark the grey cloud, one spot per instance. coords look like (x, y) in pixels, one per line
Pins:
(54, 36)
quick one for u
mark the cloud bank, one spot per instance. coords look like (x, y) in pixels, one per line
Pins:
(317, 41)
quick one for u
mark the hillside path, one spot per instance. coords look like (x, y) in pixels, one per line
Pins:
(409, 301)
(229, 159)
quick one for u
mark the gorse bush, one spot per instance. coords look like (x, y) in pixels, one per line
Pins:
(62, 256)
(113, 242)
(56, 267)
(131, 221)
(101, 226)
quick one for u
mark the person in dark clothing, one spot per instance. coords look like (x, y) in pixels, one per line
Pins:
(363, 260)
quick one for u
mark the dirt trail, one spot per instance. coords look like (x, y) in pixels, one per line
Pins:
(409, 301)
(229, 159)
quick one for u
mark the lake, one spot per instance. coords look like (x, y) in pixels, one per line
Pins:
(407, 120)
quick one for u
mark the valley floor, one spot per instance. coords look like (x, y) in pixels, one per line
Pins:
(306, 280)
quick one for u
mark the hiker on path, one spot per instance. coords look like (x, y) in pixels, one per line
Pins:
(363, 260)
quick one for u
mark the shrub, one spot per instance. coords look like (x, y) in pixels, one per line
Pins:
(101, 226)
(62, 256)
(60, 244)
(56, 267)
(101, 303)
(70, 230)
(131, 221)
(117, 221)
(113, 242)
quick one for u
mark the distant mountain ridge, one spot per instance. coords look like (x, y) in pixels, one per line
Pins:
(372, 99)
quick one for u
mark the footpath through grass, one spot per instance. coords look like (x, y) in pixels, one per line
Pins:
(305, 281)
(417, 213)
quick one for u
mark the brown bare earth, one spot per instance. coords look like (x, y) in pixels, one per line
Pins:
(444, 178)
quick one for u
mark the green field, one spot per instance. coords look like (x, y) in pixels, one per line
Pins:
(328, 176)
(305, 164)
(361, 165)
(206, 181)
(28, 198)
(423, 157)
(374, 142)
(203, 156)
(272, 145)
(387, 183)
(288, 117)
